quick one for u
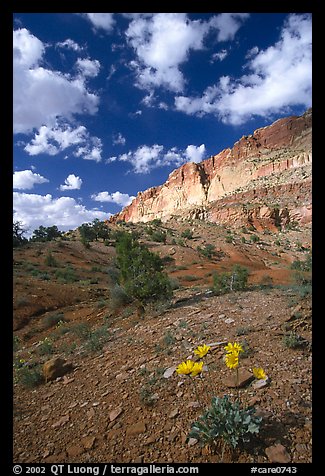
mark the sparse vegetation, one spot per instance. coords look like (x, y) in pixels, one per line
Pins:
(29, 376)
(141, 271)
(50, 260)
(292, 340)
(187, 234)
(208, 250)
(236, 280)
(53, 320)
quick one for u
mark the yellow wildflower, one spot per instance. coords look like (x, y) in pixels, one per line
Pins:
(185, 368)
(197, 368)
(233, 348)
(259, 373)
(202, 350)
(232, 360)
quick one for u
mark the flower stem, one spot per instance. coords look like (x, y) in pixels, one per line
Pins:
(195, 389)
(237, 381)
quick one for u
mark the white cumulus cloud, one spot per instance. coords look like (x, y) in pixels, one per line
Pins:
(52, 140)
(119, 198)
(119, 139)
(65, 212)
(72, 182)
(88, 67)
(69, 45)
(146, 158)
(163, 42)
(26, 179)
(41, 95)
(101, 21)
(278, 77)
(194, 153)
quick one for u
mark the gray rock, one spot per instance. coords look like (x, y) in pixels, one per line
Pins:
(169, 372)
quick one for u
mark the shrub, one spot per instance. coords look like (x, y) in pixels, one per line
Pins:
(156, 221)
(147, 397)
(141, 271)
(53, 320)
(187, 234)
(29, 377)
(113, 274)
(81, 330)
(293, 340)
(66, 275)
(254, 239)
(97, 339)
(50, 260)
(159, 236)
(118, 297)
(208, 251)
(45, 347)
(226, 420)
(236, 280)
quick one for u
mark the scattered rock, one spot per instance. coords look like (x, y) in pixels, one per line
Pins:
(229, 320)
(90, 413)
(192, 441)
(115, 413)
(61, 422)
(193, 404)
(244, 377)
(277, 454)
(54, 368)
(122, 376)
(88, 442)
(173, 413)
(136, 429)
(169, 372)
(75, 450)
(261, 383)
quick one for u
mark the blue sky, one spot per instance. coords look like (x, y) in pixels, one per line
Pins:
(106, 105)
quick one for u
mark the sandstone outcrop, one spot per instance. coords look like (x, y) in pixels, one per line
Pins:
(264, 180)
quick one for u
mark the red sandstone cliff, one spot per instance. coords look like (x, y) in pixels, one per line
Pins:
(265, 179)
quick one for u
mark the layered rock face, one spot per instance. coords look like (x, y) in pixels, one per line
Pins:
(264, 180)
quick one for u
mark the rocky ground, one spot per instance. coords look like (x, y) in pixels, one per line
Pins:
(120, 399)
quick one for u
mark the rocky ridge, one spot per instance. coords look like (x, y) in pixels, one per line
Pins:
(264, 180)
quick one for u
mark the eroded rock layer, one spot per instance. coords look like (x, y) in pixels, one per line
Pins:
(265, 180)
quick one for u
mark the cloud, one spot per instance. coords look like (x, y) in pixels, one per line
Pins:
(101, 21)
(53, 140)
(163, 42)
(227, 24)
(119, 198)
(219, 56)
(279, 77)
(42, 95)
(69, 45)
(65, 212)
(119, 139)
(195, 154)
(146, 158)
(88, 67)
(26, 179)
(72, 182)
(91, 151)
